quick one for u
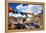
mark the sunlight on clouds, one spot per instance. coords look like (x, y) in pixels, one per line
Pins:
(36, 9)
(16, 15)
(29, 8)
(19, 6)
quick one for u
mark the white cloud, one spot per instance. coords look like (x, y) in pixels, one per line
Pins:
(10, 14)
(36, 9)
(16, 15)
(30, 6)
(19, 6)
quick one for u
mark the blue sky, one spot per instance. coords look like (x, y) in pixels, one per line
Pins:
(26, 7)
(13, 5)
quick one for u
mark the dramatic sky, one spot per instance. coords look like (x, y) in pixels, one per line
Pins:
(26, 7)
